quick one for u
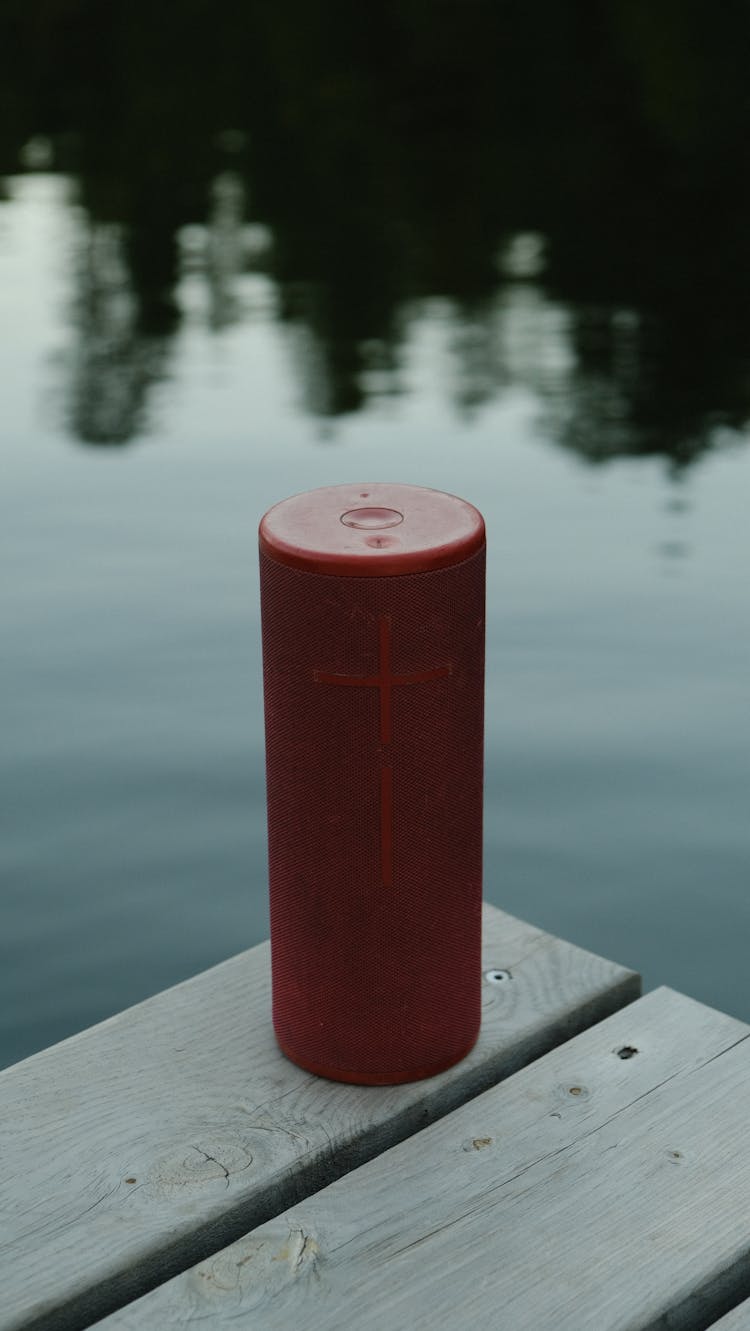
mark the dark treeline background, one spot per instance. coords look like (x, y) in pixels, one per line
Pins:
(391, 150)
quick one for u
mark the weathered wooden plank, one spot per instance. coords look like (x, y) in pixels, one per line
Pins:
(604, 1187)
(737, 1320)
(140, 1146)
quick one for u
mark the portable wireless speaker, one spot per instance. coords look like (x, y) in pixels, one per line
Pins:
(372, 603)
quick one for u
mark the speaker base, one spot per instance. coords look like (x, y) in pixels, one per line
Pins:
(375, 1078)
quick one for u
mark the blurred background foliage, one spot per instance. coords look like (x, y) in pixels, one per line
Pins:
(369, 156)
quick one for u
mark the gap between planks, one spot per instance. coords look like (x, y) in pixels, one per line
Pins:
(142, 1145)
(590, 1192)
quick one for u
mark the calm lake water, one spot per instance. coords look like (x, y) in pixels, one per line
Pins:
(131, 765)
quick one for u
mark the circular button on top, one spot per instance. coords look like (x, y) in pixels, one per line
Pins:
(400, 529)
(372, 517)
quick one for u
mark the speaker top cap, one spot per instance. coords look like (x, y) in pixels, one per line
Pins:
(374, 529)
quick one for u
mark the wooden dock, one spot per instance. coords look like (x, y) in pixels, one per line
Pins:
(585, 1169)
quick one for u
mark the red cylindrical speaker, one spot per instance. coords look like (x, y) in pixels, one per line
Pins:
(372, 603)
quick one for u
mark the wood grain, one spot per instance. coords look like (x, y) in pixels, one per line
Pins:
(150, 1141)
(605, 1187)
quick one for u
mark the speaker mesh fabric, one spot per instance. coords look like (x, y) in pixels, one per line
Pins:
(375, 816)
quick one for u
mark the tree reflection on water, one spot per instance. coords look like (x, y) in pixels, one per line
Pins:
(569, 180)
